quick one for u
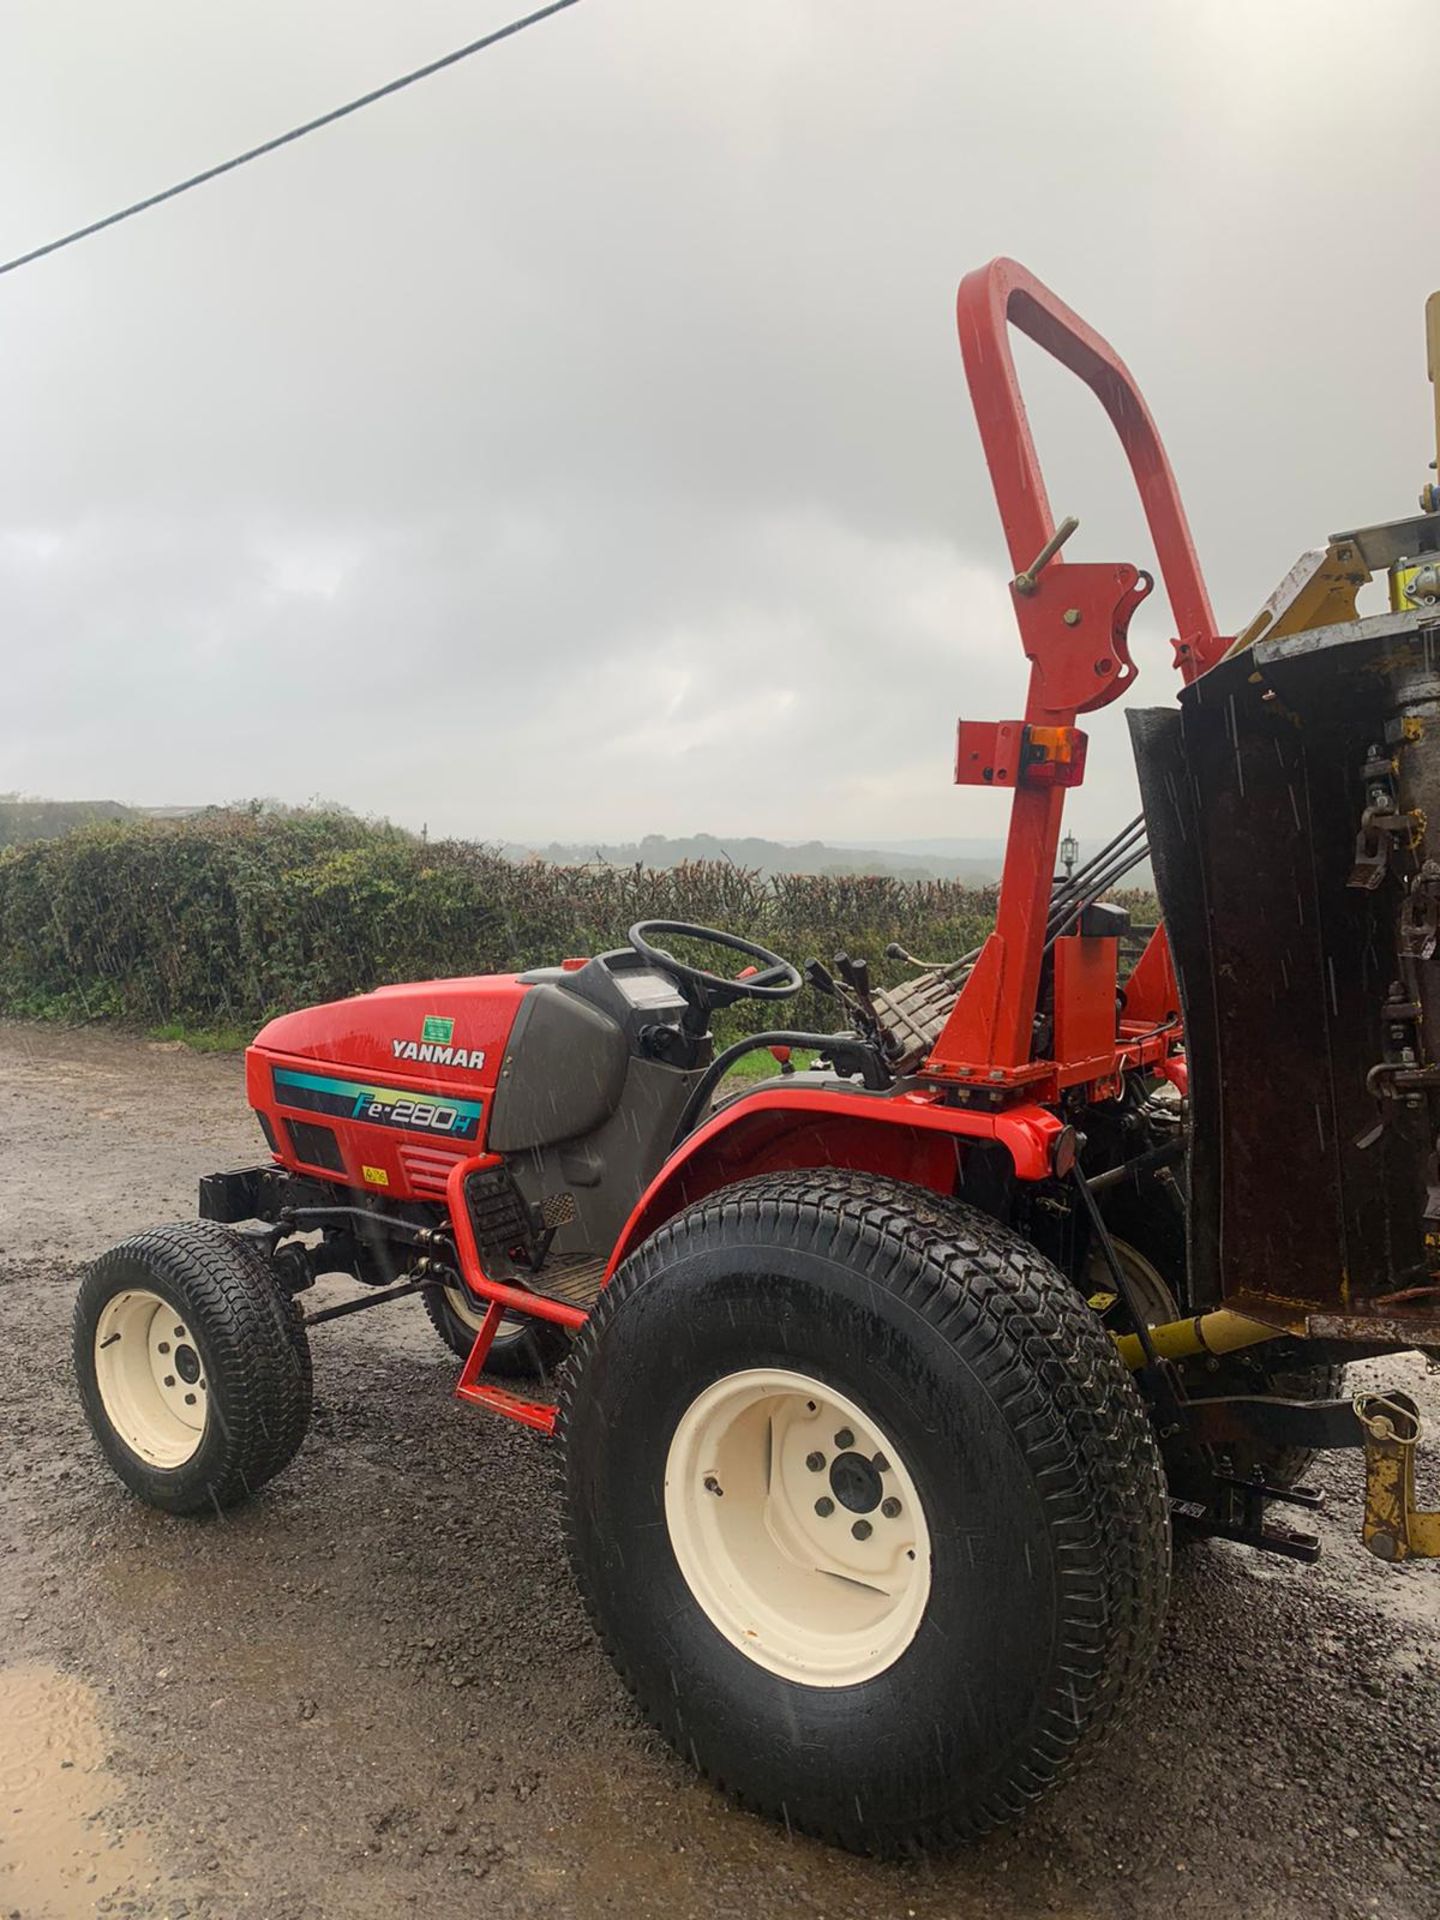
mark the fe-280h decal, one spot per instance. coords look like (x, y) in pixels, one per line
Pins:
(380, 1106)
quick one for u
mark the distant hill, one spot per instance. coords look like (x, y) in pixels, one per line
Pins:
(976, 860)
(24, 818)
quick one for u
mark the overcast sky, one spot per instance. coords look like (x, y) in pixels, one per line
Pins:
(577, 445)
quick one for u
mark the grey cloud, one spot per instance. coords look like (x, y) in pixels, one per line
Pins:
(579, 443)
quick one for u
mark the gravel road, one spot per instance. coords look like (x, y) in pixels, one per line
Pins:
(372, 1692)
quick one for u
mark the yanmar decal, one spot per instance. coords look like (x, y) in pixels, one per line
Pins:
(438, 1056)
(380, 1106)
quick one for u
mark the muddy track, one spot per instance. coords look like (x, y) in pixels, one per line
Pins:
(372, 1691)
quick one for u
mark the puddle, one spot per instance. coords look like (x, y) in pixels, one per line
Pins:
(62, 1846)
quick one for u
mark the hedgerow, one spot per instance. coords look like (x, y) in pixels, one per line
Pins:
(222, 920)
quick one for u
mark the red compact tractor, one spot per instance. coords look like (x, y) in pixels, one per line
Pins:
(882, 1384)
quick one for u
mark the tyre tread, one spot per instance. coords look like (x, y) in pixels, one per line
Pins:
(254, 1334)
(1040, 1353)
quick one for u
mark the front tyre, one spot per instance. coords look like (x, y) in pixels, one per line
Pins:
(194, 1370)
(864, 1506)
(521, 1349)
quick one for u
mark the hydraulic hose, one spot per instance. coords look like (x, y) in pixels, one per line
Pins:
(1126, 850)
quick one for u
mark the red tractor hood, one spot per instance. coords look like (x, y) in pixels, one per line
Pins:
(388, 1090)
(432, 1032)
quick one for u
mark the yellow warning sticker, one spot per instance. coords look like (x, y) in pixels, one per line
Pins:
(377, 1176)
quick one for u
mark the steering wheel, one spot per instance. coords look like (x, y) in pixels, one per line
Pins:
(776, 980)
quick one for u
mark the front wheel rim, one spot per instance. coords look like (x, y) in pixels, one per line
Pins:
(471, 1315)
(150, 1377)
(798, 1527)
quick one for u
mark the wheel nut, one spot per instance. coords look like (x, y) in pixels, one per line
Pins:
(880, 1463)
(890, 1507)
(164, 1347)
(815, 1462)
(844, 1438)
(169, 1379)
(179, 1333)
(824, 1506)
(189, 1399)
(862, 1529)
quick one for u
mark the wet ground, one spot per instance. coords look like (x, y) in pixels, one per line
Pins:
(372, 1692)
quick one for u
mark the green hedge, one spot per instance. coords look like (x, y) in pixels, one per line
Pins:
(225, 919)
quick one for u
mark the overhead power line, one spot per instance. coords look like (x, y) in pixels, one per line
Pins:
(296, 133)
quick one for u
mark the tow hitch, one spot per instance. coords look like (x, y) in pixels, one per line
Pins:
(1394, 1529)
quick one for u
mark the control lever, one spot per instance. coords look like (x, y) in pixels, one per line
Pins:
(855, 974)
(1027, 581)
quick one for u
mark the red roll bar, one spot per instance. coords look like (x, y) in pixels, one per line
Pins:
(1003, 294)
(1074, 619)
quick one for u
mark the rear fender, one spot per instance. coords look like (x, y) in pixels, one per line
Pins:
(908, 1136)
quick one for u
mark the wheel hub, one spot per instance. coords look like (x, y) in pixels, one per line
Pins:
(856, 1483)
(797, 1527)
(151, 1378)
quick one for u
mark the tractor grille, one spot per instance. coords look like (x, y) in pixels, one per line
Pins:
(428, 1168)
(316, 1146)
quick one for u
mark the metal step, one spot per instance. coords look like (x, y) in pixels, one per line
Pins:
(572, 1277)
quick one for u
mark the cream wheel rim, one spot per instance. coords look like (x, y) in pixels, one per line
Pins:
(798, 1527)
(465, 1310)
(150, 1377)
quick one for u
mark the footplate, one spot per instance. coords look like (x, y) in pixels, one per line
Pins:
(1394, 1530)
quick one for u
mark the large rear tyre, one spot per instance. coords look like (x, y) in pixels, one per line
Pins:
(864, 1507)
(193, 1368)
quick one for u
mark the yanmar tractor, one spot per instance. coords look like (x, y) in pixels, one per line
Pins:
(882, 1384)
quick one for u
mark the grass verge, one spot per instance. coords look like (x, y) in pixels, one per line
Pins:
(205, 1039)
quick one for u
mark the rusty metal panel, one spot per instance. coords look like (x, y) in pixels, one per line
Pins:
(1253, 796)
(1086, 972)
